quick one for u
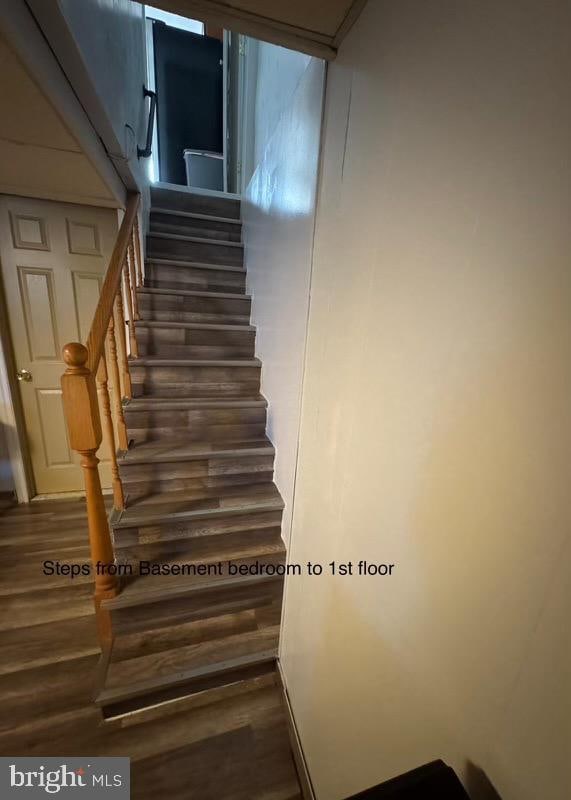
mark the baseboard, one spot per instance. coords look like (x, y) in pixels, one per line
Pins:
(304, 777)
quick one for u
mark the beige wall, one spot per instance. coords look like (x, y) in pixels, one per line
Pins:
(436, 422)
(278, 211)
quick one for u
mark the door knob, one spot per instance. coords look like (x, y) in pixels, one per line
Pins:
(24, 375)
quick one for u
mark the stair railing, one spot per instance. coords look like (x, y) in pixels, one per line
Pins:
(89, 368)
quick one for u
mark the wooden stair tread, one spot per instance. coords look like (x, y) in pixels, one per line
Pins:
(158, 361)
(181, 262)
(173, 506)
(196, 239)
(165, 450)
(267, 549)
(198, 326)
(148, 589)
(194, 215)
(194, 293)
(124, 681)
(157, 403)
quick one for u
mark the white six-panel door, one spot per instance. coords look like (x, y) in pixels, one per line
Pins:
(53, 256)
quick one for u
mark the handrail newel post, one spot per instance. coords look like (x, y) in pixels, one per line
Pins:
(84, 425)
(86, 379)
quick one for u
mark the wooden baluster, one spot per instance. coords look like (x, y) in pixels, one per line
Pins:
(113, 369)
(103, 392)
(133, 278)
(139, 261)
(122, 342)
(84, 425)
(129, 295)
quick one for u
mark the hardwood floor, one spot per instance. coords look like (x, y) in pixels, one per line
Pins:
(228, 742)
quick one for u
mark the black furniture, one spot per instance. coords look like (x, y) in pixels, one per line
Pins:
(433, 781)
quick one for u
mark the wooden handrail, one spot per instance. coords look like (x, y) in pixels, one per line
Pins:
(111, 284)
(87, 371)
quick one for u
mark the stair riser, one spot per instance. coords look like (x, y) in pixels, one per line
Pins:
(216, 433)
(159, 247)
(184, 304)
(141, 479)
(260, 522)
(197, 422)
(195, 381)
(198, 605)
(183, 550)
(142, 488)
(193, 316)
(207, 691)
(194, 351)
(166, 276)
(195, 203)
(192, 226)
(198, 336)
(190, 390)
(190, 343)
(198, 470)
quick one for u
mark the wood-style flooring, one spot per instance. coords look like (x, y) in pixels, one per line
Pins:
(228, 743)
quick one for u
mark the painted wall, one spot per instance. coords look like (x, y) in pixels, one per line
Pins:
(278, 75)
(436, 421)
(101, 47)
(278, 212)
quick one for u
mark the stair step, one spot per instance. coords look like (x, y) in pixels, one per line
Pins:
(193, 305)
(145, 590)
(193, 340)
(194, 377)
(178, 465)
(169, 451)
(194, 362)
(176, 507)
(200, 225)
(169, 404)
(175, 262)
(161, 612)
(189, 201)
(135, 712)
(158, 539)
(196, 239)
(193, 275)
(120, 700)
(176, 277)
(194, 248)
(214, 419)
(195, 215)
(195, 326)
(145, 290)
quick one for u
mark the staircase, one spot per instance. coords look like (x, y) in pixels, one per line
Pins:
(197, 475)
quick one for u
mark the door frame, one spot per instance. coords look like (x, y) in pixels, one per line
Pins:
(11, 410)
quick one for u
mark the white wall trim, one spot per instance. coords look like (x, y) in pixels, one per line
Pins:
(302, 769)
(252, 24)
(11, 414)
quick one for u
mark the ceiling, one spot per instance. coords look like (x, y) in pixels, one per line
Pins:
(313, 26)
(39, 156)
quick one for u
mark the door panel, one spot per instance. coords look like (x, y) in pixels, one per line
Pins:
(188, 75)
(38, 304)
(54, 257)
